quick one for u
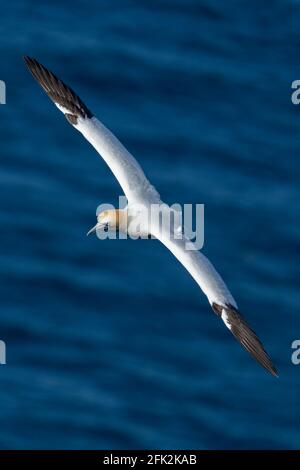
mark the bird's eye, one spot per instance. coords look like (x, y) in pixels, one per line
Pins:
(106, 227)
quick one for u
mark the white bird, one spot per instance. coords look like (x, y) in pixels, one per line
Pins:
(139, 192)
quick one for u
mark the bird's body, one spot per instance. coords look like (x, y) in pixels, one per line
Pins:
(142, 197)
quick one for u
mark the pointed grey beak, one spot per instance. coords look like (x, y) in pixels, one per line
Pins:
(93, 230)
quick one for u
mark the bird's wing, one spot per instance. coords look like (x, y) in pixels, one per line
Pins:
(213, 286)
(123, 165)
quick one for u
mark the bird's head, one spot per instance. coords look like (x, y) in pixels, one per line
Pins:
(106, 220)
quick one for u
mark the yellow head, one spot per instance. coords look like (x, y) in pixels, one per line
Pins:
(108, 220)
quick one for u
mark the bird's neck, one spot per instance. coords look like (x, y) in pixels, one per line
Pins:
(119, 219)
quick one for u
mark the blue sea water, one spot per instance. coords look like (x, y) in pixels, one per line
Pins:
(110, 344)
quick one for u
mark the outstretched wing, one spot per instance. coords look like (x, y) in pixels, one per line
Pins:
(123, 165)
(213, 286)
(244, 334)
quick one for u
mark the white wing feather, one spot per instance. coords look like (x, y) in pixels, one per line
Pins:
(199, 267)
(124, 166)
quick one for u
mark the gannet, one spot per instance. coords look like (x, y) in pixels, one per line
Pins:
(140, 193)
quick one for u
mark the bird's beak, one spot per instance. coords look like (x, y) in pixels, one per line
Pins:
(94, 229)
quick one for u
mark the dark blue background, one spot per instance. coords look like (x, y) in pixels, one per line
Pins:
(110, 344)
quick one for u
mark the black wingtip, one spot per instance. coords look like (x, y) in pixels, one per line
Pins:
(271, 368)
(245, 336)
(29, 61)
(60, 93)
(274, 372)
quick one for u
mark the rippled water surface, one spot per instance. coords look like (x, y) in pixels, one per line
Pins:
(110, 344)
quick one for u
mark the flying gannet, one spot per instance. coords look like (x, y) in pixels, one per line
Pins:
(139, 192)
